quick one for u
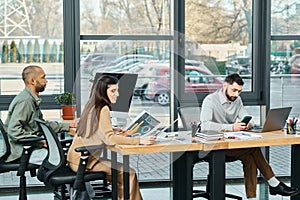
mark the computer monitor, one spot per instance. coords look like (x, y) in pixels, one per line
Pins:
(120, 109)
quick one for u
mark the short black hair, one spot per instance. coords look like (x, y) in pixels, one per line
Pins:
(234, 78)
(29, 71)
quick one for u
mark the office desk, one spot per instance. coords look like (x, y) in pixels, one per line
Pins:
(217, 158)
(182, 154)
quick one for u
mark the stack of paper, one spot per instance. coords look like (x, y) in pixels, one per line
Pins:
(204, 136)
(241, 135)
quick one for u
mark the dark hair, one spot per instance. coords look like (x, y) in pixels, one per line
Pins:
(97, 101)
(234, 78)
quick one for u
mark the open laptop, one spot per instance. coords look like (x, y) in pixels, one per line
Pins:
(275, 120)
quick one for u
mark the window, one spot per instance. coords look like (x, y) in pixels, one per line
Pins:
(29, 36)
(138, 35)
(219, 34)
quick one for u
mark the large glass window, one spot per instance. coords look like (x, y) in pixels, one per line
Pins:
(219, 34)
(285, 17)
(285, 55)
(125, 17)
(284, 67)
(30, 32)
(131, 37)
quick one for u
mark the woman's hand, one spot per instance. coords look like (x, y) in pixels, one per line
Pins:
(130, 131)
(147, 140)
(118, 130)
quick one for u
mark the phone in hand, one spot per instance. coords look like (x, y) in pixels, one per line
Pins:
(246, 119)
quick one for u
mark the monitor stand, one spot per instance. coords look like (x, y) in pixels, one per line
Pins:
(119, 119)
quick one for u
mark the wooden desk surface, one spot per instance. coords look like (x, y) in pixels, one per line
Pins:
(177, 144)
(156, 148)
(274, 138)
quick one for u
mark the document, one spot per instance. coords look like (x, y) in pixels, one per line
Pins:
(143, 125)
(241, 135)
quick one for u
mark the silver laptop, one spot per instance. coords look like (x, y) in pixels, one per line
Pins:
(275, 120)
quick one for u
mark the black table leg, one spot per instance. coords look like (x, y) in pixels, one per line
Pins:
(295, 169)
(126, 176)
(182, 175)
(217, 175)
(114, 172)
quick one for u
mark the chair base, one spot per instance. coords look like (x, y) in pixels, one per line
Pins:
(102, 191)
(204, 194)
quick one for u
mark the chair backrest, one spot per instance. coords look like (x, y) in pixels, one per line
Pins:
(188, 114)
(55, 158)
(4, 143)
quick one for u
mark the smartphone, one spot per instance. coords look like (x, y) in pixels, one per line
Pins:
(246, 119)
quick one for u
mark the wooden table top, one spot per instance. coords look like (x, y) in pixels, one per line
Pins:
(274, 138)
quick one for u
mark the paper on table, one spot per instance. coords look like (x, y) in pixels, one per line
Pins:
(241, 135)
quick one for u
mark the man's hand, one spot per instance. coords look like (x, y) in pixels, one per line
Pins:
(73, 124)
(147, 140)
(240, 126)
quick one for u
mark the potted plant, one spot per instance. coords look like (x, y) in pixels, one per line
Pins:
(67, 101)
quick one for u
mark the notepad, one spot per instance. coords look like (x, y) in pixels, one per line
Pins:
(241, 135)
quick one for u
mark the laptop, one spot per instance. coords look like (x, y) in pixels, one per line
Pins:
(275, 120)
(159, 131)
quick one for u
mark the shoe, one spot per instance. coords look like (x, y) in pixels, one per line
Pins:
(283, 190)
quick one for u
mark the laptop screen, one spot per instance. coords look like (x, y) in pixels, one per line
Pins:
(276, 119)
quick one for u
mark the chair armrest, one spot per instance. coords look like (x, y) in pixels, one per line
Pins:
(30, 141)
(85, 152)
(29, 145)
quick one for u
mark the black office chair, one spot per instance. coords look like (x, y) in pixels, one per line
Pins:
(21, 165)
(55, 172)
(189, 114)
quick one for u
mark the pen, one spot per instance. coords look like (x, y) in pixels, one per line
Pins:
(171, 136)
(247, 134)
(133, 127)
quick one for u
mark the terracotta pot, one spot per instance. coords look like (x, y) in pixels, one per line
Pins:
(68, 112)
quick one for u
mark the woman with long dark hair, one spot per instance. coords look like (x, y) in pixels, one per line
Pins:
(94, 128)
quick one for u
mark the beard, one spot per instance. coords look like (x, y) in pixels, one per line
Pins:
(39, 87)
(230, 98)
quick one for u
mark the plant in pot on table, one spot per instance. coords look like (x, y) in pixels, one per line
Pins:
(68, 105)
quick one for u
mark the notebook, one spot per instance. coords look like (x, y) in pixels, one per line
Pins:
(275, 120)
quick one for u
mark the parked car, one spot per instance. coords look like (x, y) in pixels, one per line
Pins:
(122, 62)
(279, 67)
(147, 72)
(196, 80)
(131, 57)
(239, 64)
(95, 59)
(295, 64)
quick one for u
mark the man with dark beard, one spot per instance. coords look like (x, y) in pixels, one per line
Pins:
(22, 111)
(222, 111)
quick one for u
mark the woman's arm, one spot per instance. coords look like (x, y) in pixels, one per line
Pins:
(106, 133)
